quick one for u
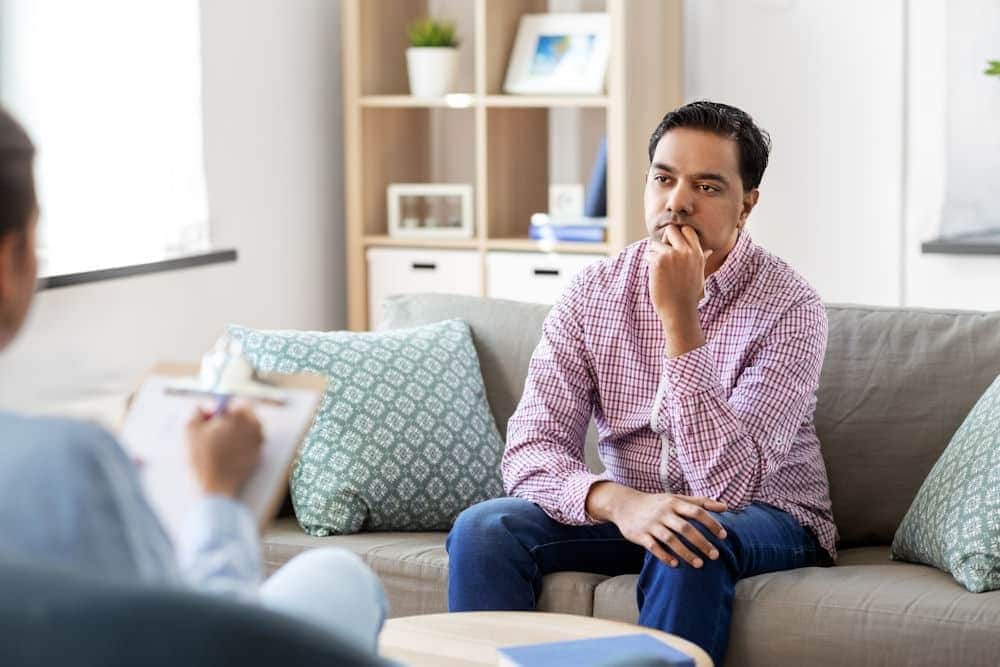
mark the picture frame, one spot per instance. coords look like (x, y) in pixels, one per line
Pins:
(566, 200)
(559, 54)
(430, 210)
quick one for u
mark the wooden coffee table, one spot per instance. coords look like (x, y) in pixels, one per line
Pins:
(472, 638)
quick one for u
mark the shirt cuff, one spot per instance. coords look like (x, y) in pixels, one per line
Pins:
(691, 373)
(219, 547)
(574, 497)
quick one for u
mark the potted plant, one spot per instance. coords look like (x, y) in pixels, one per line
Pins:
(432, 57)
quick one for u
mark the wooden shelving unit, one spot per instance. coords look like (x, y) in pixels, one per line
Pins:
(390, 242)
(499, 143)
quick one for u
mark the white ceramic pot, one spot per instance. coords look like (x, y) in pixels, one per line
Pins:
(431, 69)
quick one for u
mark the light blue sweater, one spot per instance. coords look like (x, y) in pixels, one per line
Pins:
(70, 496)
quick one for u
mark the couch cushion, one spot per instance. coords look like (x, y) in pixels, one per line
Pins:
(413, 568)
(896, 385)
(868, 610)
(954, 522)
(404, 438)
(505, 334)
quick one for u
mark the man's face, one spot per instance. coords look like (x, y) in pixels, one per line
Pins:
(18, 273)
(694, 180)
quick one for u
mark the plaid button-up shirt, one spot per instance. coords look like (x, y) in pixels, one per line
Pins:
(731, 420)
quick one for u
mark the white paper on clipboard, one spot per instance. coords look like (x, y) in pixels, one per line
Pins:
(154, 434)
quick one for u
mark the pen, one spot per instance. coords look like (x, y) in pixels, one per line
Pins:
(220, 407)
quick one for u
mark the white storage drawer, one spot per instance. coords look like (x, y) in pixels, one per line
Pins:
(532, 276)
(414, 270)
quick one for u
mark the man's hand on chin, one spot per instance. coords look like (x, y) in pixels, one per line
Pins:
(658, 521)
(676, 284)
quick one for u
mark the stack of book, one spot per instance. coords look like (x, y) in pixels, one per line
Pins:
(587, 228)
(579, 229)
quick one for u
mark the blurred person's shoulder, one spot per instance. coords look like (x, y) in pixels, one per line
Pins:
(56, 442)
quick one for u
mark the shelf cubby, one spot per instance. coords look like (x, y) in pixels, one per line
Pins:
(510, 147)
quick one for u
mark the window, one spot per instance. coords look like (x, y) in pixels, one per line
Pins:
(973, 120)
(110, 91)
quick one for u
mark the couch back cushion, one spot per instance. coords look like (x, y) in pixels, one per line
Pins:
(895, 387)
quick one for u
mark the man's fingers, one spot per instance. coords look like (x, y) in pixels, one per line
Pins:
(694, 536)
(710, 504)
(692, 511)
(654, 547)
(669, 539)
(691, 236)
(674, 237)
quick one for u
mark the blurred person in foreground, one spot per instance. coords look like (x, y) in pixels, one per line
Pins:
(70, 497)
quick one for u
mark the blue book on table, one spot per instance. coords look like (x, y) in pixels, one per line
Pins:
(594, 652)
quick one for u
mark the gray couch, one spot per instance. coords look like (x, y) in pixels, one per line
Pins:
(896, 384)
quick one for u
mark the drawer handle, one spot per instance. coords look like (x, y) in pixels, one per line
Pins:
(546, 272)
(427, 266)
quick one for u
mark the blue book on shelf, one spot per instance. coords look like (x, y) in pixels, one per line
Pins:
(579, 233)
(579, 228)
(594, 652)
(596, 201)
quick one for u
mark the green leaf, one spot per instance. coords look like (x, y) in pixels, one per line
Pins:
(430, 32)
(994, 68)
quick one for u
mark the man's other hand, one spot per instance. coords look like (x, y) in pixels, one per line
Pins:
(224, 449)
(657, 522)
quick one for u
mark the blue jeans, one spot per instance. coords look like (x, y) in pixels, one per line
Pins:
(500, 549)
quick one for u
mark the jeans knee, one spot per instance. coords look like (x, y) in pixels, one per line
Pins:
(485, 524)
(481, 520)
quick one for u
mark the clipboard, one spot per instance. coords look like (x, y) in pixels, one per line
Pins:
(153, 433)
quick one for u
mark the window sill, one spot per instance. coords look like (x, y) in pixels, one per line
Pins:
(173, 263)
(981, 243)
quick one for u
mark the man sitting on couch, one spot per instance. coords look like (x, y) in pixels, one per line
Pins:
(70, 498)
(698, 353)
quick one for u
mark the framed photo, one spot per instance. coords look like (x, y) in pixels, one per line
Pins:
(559, 54)
(430, 210)
(565, 200)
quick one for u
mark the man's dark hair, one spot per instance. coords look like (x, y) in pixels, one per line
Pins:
(726, 121)
(17, 183)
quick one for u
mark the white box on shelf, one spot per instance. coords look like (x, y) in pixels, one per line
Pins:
(532, 276)
(430, 210)
(416, 270)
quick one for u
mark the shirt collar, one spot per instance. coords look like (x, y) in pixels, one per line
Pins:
(733, 272)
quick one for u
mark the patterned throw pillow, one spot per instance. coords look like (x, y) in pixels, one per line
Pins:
(404, 438)
(954, 522)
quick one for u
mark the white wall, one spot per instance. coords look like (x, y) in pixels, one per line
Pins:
(824, 78)
(273, 136)
(943, 281)
(853, 93)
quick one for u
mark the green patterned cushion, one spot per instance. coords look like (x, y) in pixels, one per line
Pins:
(954, 522)
(404, 438)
